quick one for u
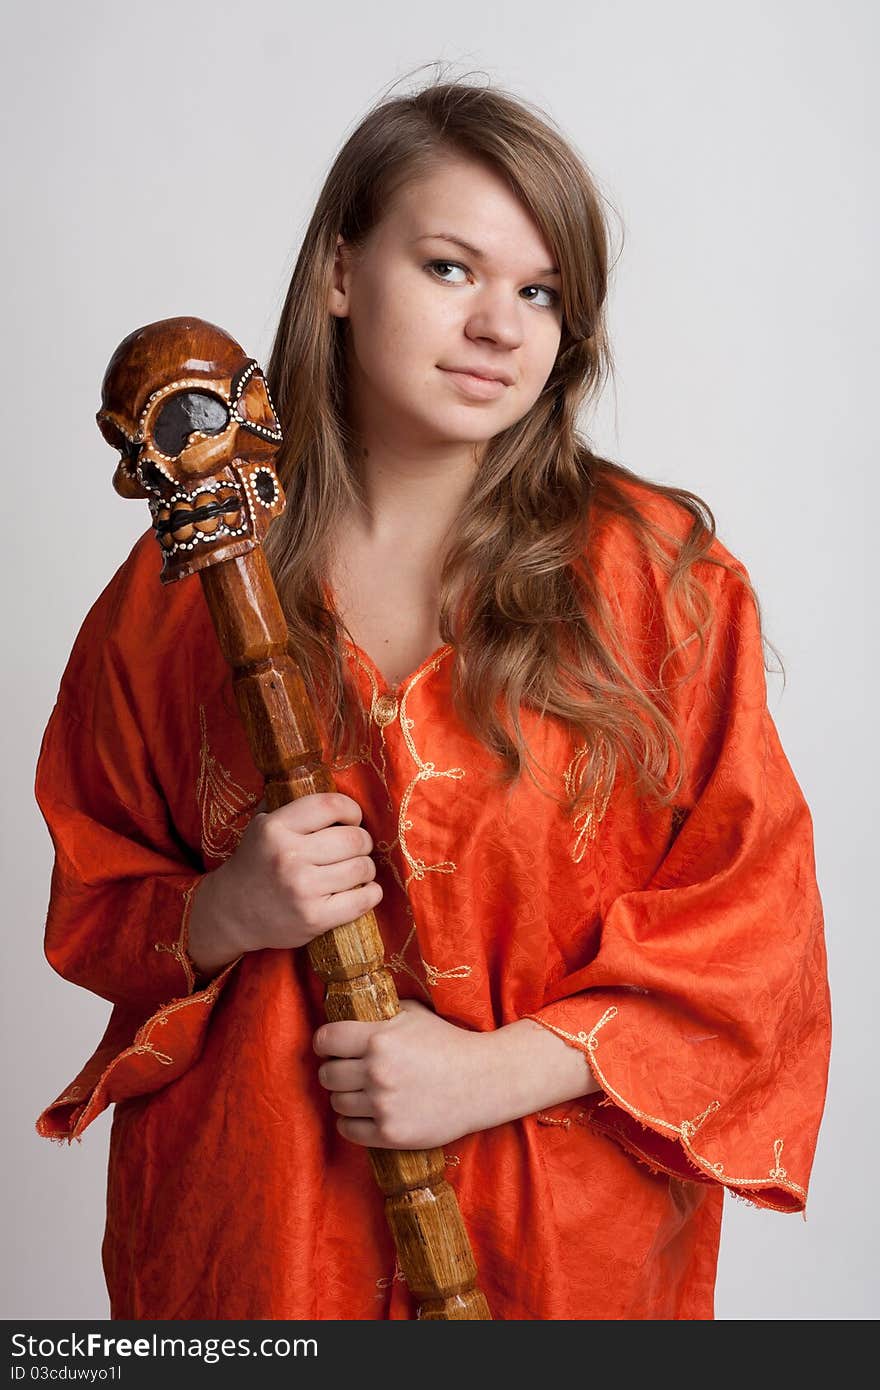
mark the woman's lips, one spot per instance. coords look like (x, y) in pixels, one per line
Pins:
(478, 387)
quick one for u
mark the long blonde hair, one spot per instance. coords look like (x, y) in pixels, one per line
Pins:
(520, 610)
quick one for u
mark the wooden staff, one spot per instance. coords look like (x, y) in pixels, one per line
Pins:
(197, 433)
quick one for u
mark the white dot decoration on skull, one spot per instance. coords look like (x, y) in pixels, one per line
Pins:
(197, 433)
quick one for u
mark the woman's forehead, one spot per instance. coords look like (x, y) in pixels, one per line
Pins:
(465, 202)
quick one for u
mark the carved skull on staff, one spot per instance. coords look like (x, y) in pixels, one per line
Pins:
(191, 416)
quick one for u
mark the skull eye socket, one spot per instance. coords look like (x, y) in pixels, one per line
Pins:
(182, 414)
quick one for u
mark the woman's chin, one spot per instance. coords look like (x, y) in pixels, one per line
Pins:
(463, 426)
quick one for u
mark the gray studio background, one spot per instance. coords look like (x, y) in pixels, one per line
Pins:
(164, 159)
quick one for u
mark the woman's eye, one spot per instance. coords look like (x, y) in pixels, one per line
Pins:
(439, 267)
(552, 296)
(442, 268)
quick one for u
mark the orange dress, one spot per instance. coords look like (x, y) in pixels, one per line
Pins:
(682, 951)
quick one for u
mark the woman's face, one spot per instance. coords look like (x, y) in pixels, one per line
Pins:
(424, 312)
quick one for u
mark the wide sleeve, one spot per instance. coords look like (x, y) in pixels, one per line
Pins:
(120, 895)
(705, 1013)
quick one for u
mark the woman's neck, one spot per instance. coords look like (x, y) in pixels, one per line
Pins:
(411, 501)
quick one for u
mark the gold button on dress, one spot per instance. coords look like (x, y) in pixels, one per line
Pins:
(384, 710)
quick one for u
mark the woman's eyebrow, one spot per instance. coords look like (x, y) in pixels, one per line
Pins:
(472, 250)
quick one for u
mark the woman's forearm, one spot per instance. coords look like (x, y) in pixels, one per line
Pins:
(528, 1068)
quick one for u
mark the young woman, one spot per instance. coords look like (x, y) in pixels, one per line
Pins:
(541, 681)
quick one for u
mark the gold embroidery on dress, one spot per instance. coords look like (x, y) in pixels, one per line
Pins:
(180, 949)
(365, 751)
(397, 1275)
(221, 801)
(685, 1131)
(381, 716)
(563, 1121)
(154, 1051)
(75, 1093)
(588, 819)
(778, 1171)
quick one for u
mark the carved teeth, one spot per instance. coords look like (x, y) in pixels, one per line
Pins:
(162, 514)
(176, 529)
(232, 514)
(208, 525)
(181, 530)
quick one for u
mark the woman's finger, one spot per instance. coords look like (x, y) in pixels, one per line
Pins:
(344, 907)
(364, 1132)
(349, 873)
(352, 1103)
(342, 1076)
(339, 842)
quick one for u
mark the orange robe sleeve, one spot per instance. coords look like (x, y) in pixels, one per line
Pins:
(121, 887)
(705, 1014)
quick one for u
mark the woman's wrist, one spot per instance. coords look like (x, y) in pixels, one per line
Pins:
(211, 942)
(529, 1069)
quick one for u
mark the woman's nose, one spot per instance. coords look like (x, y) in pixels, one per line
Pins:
(497, 318)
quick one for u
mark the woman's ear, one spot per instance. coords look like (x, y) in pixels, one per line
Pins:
(338, 296)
